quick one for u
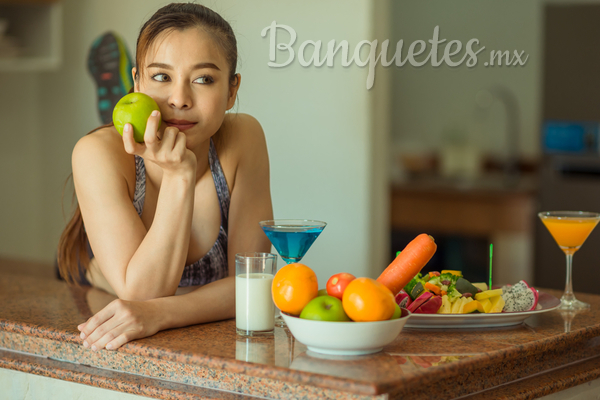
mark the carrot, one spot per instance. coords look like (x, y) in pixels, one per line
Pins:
(432, 288)
(408, 263)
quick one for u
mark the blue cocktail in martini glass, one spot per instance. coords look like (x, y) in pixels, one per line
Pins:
(292, 238)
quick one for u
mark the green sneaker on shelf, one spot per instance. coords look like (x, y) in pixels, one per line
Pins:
(109, 64)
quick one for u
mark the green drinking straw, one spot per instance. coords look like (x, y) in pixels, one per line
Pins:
(491, 252)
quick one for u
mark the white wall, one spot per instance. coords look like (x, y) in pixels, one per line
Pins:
(317, 121)
(317, 126)
(21, 195)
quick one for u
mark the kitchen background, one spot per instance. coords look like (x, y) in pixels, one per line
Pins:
(425, 149)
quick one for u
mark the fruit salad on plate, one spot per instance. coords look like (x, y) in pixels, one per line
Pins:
(448, 292)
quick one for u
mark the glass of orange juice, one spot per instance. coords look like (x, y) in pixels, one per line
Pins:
(570, 229)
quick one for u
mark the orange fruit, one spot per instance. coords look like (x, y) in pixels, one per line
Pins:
(293, 287)
(367, 300)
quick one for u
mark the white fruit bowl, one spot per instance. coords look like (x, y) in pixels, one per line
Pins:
(345, 338)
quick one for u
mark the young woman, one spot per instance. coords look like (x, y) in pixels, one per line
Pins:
(165, 218)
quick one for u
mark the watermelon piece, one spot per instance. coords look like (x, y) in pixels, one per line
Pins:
(403, 299)
(420, 300)
(431, 306)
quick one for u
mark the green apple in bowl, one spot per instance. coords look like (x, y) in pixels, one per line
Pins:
(397, 312)
(134, 108)
(324, 308)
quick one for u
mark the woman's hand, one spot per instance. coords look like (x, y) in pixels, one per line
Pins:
(120, 322)
(169, 151)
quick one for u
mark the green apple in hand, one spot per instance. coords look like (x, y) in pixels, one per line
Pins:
(134, 108)
(324, 308)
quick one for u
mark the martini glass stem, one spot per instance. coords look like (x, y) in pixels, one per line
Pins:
(568, 295)
(568, 300)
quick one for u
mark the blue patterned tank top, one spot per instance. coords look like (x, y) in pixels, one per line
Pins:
(213, 266)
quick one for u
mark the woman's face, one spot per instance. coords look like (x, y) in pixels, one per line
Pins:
(188, 76)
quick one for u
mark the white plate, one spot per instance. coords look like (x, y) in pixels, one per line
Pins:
(345, 338)
(548, 303)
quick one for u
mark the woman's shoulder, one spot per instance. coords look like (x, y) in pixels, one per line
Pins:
(239, 133)
(102, 142)
(241, 146)
(102, 150)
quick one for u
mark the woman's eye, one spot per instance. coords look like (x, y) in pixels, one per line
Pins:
(161, 77)
(204, 80)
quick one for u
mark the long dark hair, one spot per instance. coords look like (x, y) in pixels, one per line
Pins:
(73, 244)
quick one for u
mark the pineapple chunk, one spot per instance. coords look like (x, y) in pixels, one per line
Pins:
(471, 307)
(486, 304)
(466, 300)
(488, 293)
(481, 286)
(497, 304)
(446, 307)
(456, 305)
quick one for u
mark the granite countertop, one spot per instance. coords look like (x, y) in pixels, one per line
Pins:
(38, 334)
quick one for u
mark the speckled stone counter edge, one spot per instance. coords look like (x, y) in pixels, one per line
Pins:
(137, 348)
(545, 384)
(504, 372)
(189, 374)
(487, 375)
(491, 360)
(122, 382)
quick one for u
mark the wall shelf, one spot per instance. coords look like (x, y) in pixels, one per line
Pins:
(37, 28)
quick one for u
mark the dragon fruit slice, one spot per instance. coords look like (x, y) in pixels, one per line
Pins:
(419, 300)
(518, 287)
(431, 306)
(520, 297)
(403, 299)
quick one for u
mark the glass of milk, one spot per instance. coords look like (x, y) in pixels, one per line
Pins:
(254, 307)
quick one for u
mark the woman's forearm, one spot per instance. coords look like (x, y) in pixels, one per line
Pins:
(155, 269)
(212, 302)
(140, 319)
